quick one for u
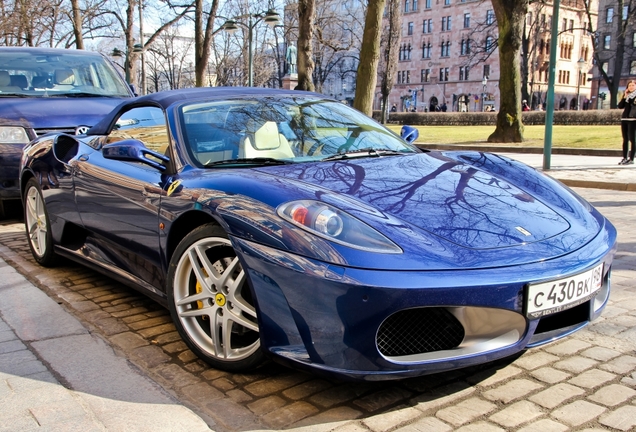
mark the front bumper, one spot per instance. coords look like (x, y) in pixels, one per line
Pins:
(327, 318)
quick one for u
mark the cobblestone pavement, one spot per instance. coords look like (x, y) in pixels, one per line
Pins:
(584, 382)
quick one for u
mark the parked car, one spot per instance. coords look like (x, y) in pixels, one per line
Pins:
(46, 90)
(286, 225)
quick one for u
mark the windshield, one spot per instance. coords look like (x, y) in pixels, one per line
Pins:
(64, 73)
(286, 129)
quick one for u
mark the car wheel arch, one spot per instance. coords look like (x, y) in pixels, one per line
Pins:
(182, 226)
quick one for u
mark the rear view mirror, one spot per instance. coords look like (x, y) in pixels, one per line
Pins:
(132, 150)
(409, 134)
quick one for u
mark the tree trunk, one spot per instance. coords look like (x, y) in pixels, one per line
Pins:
(391, 54)
(306, 18)
(510, 15)
(369, 57)
(203, 40)
(77, 24)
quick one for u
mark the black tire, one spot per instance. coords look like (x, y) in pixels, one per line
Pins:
(37, 224)
(211, 302)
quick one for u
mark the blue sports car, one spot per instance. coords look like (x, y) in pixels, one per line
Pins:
(285, 225)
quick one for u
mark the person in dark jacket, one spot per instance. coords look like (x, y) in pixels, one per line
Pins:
(628, 122)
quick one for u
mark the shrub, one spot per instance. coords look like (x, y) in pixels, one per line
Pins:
(588, 117)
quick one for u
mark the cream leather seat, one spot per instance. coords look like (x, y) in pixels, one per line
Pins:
(5, 83)
(266, 141)
(64, 79)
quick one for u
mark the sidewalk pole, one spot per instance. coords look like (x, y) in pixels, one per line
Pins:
(549, 112)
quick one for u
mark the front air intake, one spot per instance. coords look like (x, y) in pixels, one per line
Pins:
(417, 331)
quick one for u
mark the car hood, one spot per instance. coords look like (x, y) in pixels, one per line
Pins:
(452, 200)
(55, 112)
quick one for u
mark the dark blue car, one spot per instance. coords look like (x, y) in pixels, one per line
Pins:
(49, 90)
(283, 224)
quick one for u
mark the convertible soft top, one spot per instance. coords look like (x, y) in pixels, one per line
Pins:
(166, 98)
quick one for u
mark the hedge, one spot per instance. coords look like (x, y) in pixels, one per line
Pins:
(588, 117)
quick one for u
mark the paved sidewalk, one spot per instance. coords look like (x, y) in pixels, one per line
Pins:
(55, 375)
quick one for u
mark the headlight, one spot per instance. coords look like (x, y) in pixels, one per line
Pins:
(13, 135)
(332, 224)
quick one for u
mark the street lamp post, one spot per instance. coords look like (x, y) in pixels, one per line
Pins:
(484, 82)
(137, 48)
(270, 18)
(580, 65)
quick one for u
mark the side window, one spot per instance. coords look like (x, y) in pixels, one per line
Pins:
(146, 124)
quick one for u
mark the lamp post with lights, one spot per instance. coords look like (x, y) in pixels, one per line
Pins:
(270, 18)
(137, 48)
(484, 82)
(580, 65)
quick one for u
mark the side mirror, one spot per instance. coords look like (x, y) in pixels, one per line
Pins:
(409, 134)
(132, 150)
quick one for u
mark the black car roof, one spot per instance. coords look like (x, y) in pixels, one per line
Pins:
(166, 98)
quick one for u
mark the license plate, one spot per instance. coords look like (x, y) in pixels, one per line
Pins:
(554, 296)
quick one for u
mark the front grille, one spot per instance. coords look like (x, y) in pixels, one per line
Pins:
(417, 331)
(69, 131)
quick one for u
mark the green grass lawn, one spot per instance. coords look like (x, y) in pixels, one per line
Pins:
(598, 137)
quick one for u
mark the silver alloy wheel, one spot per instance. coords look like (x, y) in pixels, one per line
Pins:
(212, 300)
(35, 216)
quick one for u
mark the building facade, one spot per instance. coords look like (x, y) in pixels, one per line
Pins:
(607, 30)
(449, 59)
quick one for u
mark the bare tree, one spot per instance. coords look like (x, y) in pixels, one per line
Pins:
(203, 36)
(306, 18)
(391, 43)
(510, 18)
(369, 57)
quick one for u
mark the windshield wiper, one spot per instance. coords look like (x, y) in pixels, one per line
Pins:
(249, 161)
(82, 95)
(20, 95)
(360, 153)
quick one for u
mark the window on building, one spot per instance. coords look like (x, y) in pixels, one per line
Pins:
(490, 16)
(426, 50)
(410, 28)
(486, 71)
(414, 7)
(571, 28)
(564, 25)
(408, 77)
(607, 41)
(634, 40)
(407, 6)
(443, 74)
(490, 43)
(466, 20)
(625, 12)
(445, 49)
(609, 15)
(447, 2)
(427, 26)
(425, 75)
(463, 73)
(427, 4)
(632, 67)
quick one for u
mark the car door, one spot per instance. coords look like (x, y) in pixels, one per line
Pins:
(118, 201)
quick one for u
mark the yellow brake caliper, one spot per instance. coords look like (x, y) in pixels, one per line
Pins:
(199, 289)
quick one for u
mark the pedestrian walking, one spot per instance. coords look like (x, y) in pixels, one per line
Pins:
(628, 122)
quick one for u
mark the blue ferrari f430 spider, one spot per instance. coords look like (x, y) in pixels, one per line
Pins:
(283, 224)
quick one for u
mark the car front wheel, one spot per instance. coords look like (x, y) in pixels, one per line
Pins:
(36, 221)
(211, 302)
